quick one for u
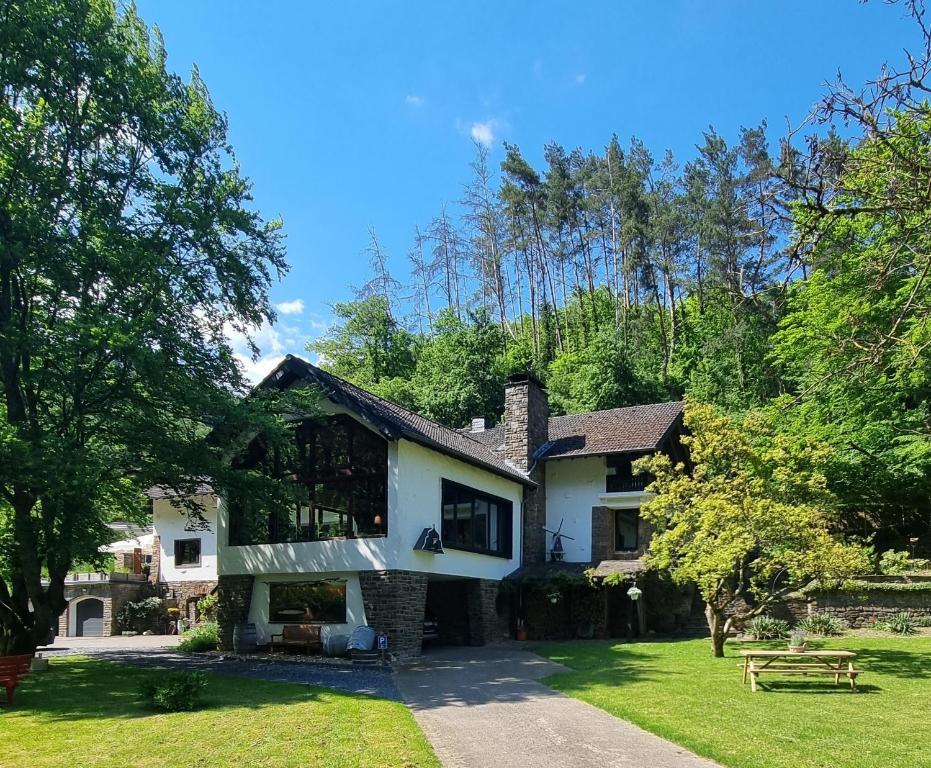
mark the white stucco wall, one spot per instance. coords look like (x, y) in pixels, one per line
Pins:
(573, 487)
(259, 608)
(415, 476)
(170, 524)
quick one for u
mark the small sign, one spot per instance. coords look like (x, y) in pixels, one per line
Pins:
(383, 642)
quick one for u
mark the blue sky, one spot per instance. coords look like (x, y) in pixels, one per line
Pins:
(348, 116)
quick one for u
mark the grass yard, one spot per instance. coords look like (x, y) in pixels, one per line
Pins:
(676, 690)
(87, 713)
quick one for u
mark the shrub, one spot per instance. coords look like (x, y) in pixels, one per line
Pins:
(822, 624)
(141, 615)
(893, 563)
(899, 623)
(202, 638)
(767, 628)
(207, 608)
(174, 691)
(923, 621)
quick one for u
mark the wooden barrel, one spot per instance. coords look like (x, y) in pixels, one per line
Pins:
(244, 638)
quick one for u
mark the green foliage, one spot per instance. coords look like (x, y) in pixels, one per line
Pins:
(854, 342)
(367, 345)
(597, 377)
(751, 518)
(767, 628)
(204, 637)
(207, 607)
(898, 623)
(129, 246)
(142, 615)
(821, 624)
(174, 691)
(893, 563)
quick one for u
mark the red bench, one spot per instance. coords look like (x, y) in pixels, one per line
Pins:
(12, 669)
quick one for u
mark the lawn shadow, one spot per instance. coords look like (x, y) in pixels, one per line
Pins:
(87, 688)
(586, 660)
(818, 687)
(893, 662)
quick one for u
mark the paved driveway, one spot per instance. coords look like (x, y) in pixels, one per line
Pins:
(484, 708)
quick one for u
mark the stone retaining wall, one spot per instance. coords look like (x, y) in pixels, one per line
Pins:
(862, 608)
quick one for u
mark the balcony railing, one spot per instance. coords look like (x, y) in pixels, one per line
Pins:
(619, 484)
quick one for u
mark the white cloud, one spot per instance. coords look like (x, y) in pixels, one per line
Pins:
(294, 307)
(580, 78)
(414, 101)
(484, 132)
(273, 343)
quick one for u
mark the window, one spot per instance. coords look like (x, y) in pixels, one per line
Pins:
(342, 468)
(620, 474)
(307, 601)
(187, 552)
(626, 522)
(475, 521)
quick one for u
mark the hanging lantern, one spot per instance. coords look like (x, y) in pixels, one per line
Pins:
(634, 593)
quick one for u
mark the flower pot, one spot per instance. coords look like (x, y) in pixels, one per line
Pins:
(798, 648)
(522, 634)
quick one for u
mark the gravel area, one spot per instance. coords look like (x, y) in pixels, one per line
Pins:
(370, 681)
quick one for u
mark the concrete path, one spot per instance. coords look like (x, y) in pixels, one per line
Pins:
(484, 708)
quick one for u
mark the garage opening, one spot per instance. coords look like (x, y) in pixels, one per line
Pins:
(89, 619)
(446, 619)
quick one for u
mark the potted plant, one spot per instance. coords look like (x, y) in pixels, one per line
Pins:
(521, 630)
(797, 642)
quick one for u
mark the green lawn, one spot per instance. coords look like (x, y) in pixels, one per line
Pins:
(87, 713)
(675, 689)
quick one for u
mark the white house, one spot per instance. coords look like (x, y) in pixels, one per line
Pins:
(384, 485)
(184, 549)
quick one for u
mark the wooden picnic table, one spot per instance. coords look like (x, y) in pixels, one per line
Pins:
(789, 662)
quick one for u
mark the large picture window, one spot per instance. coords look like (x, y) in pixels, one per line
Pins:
(307, 602)
(342, 471)
(476, 521)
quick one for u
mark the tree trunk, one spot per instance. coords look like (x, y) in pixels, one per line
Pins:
(716, 622)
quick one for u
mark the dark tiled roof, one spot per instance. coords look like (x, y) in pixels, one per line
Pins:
(393, 420)
(619, 430)
(623, 567)
(550, 570)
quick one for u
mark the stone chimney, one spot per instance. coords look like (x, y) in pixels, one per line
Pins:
(526, 429)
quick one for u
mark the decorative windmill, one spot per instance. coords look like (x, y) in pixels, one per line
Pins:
(556, 551)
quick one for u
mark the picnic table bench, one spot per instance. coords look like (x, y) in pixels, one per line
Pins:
(304, 636)
(12, 669)
(836, 663)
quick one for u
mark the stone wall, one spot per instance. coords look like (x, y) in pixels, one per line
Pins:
(113, 594)
(579, 611)
(526, 429)
(603, 536)
(234, 596)
(187, 593)
(155, 566)
(488, 616)
(395, 602)
(859, 609)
